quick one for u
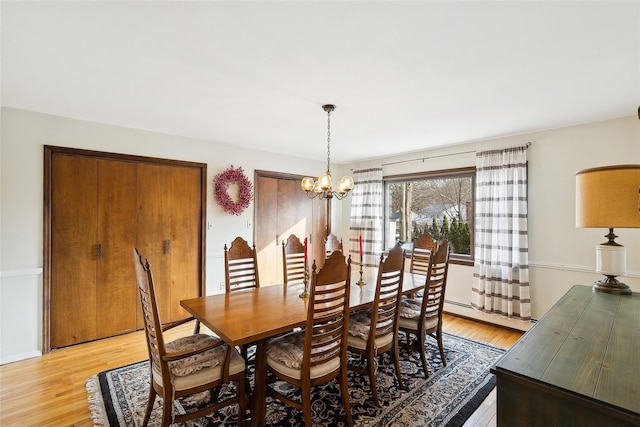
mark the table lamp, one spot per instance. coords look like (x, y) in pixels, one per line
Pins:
(609, 197)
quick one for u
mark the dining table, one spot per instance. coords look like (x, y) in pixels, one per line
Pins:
(255, 315)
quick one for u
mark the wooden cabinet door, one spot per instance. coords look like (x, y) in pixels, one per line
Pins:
(282, 209)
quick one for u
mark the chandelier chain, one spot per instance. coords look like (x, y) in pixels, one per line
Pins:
(328, 140)
(322, 187)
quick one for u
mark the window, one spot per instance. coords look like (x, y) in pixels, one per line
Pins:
(440, 203)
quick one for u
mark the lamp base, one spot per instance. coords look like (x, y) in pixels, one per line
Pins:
(611, 285)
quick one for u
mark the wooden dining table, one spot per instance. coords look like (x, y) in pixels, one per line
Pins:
(256, 315)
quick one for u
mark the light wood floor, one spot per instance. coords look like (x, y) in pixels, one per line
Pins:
(50, 390)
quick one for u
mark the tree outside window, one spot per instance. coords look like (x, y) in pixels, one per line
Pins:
(440, 203)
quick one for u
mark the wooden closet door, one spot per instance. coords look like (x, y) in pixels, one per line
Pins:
(268, 245)
(74, 250)
(93, 233)
(186, 224)
(98, 206)
(116, 292)
(282, 209)
(295, 216)
(169, 233)
(154, 229)
(319, 230)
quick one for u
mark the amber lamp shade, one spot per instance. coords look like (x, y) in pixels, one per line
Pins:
(609, 197)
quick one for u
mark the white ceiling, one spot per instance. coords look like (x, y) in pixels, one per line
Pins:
(405, 76)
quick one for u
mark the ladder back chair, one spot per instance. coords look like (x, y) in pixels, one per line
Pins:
(240, 266)
(423, 247)
(373, 332)
(293, 260)
(187, 365)
(420, 317)
(332, 244)
(241, 272)
(317, 354)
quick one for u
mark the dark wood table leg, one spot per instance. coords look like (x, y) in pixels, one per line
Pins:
(259, 396)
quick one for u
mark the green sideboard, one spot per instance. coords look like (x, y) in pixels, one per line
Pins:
(577, 366)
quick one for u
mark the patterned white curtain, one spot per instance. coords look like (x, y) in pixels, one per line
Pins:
(367, 216)
(501, 269)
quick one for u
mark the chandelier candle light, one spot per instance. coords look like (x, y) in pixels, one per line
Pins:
(322, 186)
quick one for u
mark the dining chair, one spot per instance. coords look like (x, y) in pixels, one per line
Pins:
(317, 354)
(240, 266)
(375, 331)
(187, 365)
(241, 272)
(422, 249)
(420, 317)
(292, 260)
(423, 246)
(331, 244)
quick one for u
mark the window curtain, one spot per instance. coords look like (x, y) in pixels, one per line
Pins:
(501, 269)
(367, 216)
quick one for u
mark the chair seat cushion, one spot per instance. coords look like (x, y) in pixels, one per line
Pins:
(361, 344)
(359, 324)
(410, 308)
(287, 349)
(204, 375)
(191, 364)
(285, 353)
(429, 323)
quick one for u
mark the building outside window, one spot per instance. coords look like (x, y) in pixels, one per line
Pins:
(440, 203)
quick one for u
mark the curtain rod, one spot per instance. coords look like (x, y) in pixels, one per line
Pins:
(527, 145)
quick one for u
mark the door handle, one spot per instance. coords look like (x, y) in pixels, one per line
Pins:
(167, 249)
(99, 250)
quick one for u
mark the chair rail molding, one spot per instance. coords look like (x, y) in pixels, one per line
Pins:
(21, 272)
(577, 268)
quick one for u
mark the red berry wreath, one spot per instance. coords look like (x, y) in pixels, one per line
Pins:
(245, 193)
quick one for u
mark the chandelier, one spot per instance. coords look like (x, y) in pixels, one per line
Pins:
(322, 186)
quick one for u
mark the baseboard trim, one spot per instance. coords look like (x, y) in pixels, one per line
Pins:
(465, 310)
(19, 357)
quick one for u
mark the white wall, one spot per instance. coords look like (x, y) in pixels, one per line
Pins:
(24, 135)
(560, 255)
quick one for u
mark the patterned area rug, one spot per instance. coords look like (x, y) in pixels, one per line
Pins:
(447, 398)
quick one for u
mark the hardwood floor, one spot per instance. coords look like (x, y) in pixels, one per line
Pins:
(50, 390)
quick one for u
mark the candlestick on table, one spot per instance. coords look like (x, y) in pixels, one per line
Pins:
(305, 280)
(361, 282)
(305, 251)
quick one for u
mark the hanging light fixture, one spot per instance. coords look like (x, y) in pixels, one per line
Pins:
(322, 186)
